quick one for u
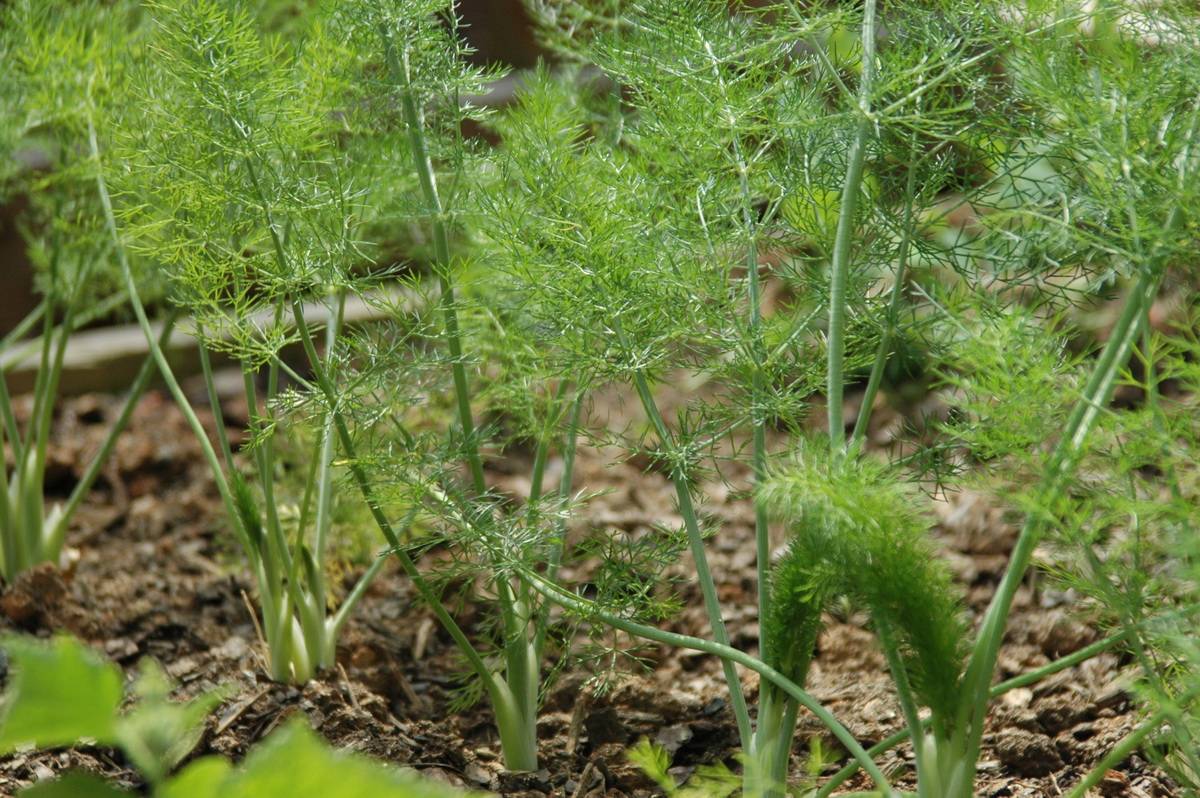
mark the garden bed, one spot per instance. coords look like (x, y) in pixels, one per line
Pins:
(151, 573)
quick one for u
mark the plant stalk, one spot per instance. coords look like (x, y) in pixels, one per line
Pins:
(586, 608)
(1062, 462)
(398, 66)
(839, 269)
(712, 604)
(1024, 680)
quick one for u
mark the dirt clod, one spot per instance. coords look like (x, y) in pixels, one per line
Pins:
(1027, 753)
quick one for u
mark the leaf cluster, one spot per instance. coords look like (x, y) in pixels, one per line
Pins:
(857, 531)
(157, 734)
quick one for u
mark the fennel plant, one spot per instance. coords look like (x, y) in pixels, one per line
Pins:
(62, 64)
(251, 185)
(236, 187)
(949, 109)
(727, 203)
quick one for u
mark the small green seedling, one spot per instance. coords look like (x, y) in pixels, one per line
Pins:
(63, 694)
(708, 781)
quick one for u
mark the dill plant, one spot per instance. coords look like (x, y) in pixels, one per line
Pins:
(632, 227)
(1016, 385)
(62, 63)
(251, 185)
(423, 377)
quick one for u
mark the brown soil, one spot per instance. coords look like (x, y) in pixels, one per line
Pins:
(151, 573)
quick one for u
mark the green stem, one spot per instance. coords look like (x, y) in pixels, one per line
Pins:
(324, 519)
(904, 692)
(428, 595)
(279, 557)
(758, 458)
(564, 487)
(337, 621)
(712, 604)
(587, 608)
(1062, 462)
(1024, 680)
(9, 419)
(43, 373)
(398, 66)
(214, 399)
(893, 312)
(554, 560)
(839, 270)
(23, 327)
(157, 353)
(541, 454)
(55, 536)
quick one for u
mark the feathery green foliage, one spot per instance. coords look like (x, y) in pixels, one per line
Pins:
(858, 532)
(1023, 122)
(236, 185)
(768, 202)
(64, 63)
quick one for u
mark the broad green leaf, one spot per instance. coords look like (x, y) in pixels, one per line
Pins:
(293, 763)
(204, 778)
(74, 785)
(60, 692)
(160, 733)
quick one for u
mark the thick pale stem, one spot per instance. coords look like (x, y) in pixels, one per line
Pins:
(522, 677)
(767, 771)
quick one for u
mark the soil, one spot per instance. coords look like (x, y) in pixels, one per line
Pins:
(150, 572)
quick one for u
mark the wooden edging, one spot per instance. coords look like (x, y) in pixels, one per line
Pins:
(107, 359)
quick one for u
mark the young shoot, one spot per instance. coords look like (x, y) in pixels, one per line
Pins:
(63, 63)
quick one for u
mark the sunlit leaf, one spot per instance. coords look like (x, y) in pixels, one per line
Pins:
(61, 692)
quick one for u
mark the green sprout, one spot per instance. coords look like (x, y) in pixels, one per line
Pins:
(61, 694)
(61, 65)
